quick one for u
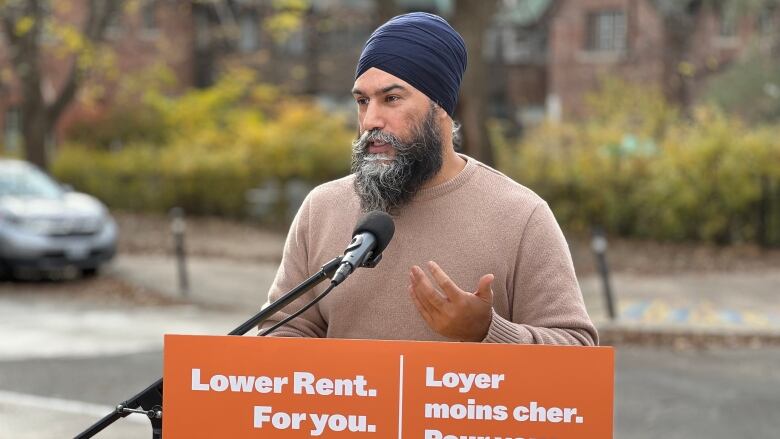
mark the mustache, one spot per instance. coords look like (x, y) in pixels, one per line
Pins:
(360, 144)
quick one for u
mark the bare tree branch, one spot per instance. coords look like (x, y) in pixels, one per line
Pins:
(94, 30)
(22, 22)
(9, 24)
(471, 19)
(23, 48)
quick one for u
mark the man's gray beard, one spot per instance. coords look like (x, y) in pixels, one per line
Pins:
(387, 184)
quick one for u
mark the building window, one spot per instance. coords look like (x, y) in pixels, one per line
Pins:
(248, 33)
(607, 31)
(294, 44)
(114, 27)
(766, 21)
(149, 15)
(202, 29)
(728, 25)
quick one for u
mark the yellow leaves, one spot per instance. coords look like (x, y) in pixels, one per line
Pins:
(264, 94)
(286, 19)
(639, 168)
(642, 110)
(148, 84)
(131, 7)
(24, 25)
(6, 75)
(217, 144)
(70, 37)
(282, 25)
(90, 94)
(298, 72)
(686, 69)
(67, 40)
(293, 5)
(302, 141)
(713, 63)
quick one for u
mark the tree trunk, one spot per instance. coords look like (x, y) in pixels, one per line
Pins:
(38, 116)
(470, 20)
(384, 10)
(679, 31)
(35, 130)
(311, 84)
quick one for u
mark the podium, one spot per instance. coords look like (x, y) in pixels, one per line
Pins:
(252, 387)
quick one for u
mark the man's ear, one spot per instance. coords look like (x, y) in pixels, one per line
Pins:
(441, 115)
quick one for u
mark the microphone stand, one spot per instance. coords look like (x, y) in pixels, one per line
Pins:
(149, 400)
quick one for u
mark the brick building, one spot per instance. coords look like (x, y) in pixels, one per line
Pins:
(674, 45)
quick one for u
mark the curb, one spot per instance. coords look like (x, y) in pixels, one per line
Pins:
(680, 337)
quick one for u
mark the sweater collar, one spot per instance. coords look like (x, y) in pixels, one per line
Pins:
(450, 185)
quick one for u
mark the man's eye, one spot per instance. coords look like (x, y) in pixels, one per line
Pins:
(392, 98)
(361, 101)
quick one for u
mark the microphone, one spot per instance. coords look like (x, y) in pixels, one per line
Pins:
(371, 235)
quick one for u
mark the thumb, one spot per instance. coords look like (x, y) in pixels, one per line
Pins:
(484, 291)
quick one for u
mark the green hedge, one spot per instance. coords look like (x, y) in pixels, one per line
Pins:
(638, 168)
(218, 144)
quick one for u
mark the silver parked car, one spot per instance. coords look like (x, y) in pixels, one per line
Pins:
(46, 228)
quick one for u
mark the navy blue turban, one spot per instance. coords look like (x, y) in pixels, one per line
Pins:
(423, 50)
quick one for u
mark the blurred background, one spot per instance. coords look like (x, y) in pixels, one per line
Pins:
(153, 153)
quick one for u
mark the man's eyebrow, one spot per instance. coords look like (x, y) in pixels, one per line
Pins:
(389, 88)
(393, 87)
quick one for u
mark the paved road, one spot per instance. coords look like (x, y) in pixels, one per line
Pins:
(65, 360)
(691, 395)
(64, 363)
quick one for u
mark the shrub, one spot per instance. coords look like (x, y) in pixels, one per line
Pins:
(637, 168)
(217, 144)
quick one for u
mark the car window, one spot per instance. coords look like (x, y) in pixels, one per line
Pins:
(21, 182)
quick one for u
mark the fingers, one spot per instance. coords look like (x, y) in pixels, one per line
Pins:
(484, 291)
(424, 308)
(451, 312)
(426, 294)
(445, 283)
(424, 312)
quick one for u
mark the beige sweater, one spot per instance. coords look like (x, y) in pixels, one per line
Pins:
(477, 223)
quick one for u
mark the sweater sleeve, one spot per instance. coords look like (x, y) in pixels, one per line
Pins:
(547, 305)
(292, 271)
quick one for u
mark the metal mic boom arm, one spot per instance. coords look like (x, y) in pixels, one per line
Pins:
(149, 401)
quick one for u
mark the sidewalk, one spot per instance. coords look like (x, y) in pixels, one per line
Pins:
(218, 282)
(704, 308)
(734, 304)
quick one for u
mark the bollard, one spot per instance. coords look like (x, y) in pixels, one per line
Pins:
(599, 246)
(178, 227)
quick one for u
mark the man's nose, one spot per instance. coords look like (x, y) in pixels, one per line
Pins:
(373, 118)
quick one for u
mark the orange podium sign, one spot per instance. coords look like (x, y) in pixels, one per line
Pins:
(253, 387)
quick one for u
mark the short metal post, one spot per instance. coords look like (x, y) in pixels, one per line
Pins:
(178, 227)
(599, 246)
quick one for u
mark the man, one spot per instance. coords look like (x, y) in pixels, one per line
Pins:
(476, 257)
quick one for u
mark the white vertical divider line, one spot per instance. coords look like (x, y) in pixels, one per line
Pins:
(401, 398)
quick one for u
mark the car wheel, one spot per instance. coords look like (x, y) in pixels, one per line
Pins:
(5, 271)
(89, 272)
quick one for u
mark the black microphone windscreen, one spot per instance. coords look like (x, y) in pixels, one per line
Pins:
(378, 223)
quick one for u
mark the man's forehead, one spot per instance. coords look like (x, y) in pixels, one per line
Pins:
(376, 81)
